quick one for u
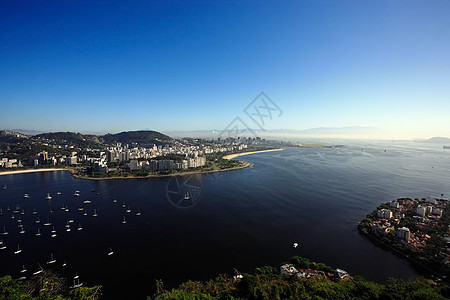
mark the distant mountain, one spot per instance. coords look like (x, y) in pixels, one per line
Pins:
(28, 131)
(438, 140)
(142, 138)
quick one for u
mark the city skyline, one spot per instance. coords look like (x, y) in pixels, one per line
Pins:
(97, 67)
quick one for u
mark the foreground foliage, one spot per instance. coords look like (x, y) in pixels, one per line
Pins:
(45, 286)
(266, 283)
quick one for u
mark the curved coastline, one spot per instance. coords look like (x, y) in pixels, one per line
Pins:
(230, 156)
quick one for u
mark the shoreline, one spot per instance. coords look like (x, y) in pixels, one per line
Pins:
(245, 165)
(230, 156)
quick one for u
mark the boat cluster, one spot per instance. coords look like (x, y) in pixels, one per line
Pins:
(17, 213)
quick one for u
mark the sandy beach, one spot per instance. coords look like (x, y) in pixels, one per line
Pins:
(30, 171)
(245, 153)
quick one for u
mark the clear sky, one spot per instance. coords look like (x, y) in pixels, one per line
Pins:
(110, 66)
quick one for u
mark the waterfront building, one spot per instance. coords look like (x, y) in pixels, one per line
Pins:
(288, 269)
(430, 200)
(394, 204)
(384, 214)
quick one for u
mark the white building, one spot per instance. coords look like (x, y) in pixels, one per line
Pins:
(384, 214)
(421, 211)
(288, 269)
(436, 211)
(404, 233)
(394, 204)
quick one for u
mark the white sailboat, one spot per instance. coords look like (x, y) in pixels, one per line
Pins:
(53, 230)
(4, 231)
(26, 196)
(48, 223)
(79, 227)
(138, 213)
(38, 221)
(110, 252)
(95, 213)
(128, 209)
(22, 231)
(40, 270)
(124, 220)
(64, 264)
(52, 260)
(1, 212)
(18, 250)
(38, 232)
(114, 200)
(48, 197)
(23, 269)
(34, 212)
(87, 201)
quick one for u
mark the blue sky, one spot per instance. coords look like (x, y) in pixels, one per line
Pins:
(97, 66)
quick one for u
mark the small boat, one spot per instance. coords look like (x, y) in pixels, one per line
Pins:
(187, 197)
(22, 212)
(18, 250)
(110, 252)
(7, 208)
(19, 220)
(63, 207)
(68, 229)
(66, 209)
(53, 230)
(1, 212)
(128, 209)
(77, 284)
(22, 231)
(85, 213)
(4, 231)
(95, 213)
(80, 208)
(295, 245)
(40, 270)
(87, 201)
(70, 221)
(12, 216)
(124, 221)
(64, 264)
(50, 210)
(48, 197)
(23, 269)
(79, 227)
(26, 196)
(53, 235)
(5, 187)
(138, 213)
(123, 205)
(114, 200)
(38, 232)
(2, 246)
(76, 276)
(37, 221)
(98, 194)
(58, 193)
(35, 212)
(17, 210)
(92, 190)
(52, 260)
(76, 194)
(47, 223)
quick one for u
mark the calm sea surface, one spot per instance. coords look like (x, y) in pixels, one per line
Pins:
(238, 219)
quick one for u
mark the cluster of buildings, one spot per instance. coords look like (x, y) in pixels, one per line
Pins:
(168, 164)
(134, 157)
(10, 163)
(427, 214)
(289, 269)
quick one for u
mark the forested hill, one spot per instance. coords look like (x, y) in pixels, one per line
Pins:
(142, 138)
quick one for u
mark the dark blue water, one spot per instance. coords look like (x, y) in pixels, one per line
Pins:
(238, 219)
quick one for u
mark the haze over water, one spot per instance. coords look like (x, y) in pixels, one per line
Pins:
(243, 219)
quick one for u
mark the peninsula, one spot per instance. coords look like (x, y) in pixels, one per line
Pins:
(417, 229)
